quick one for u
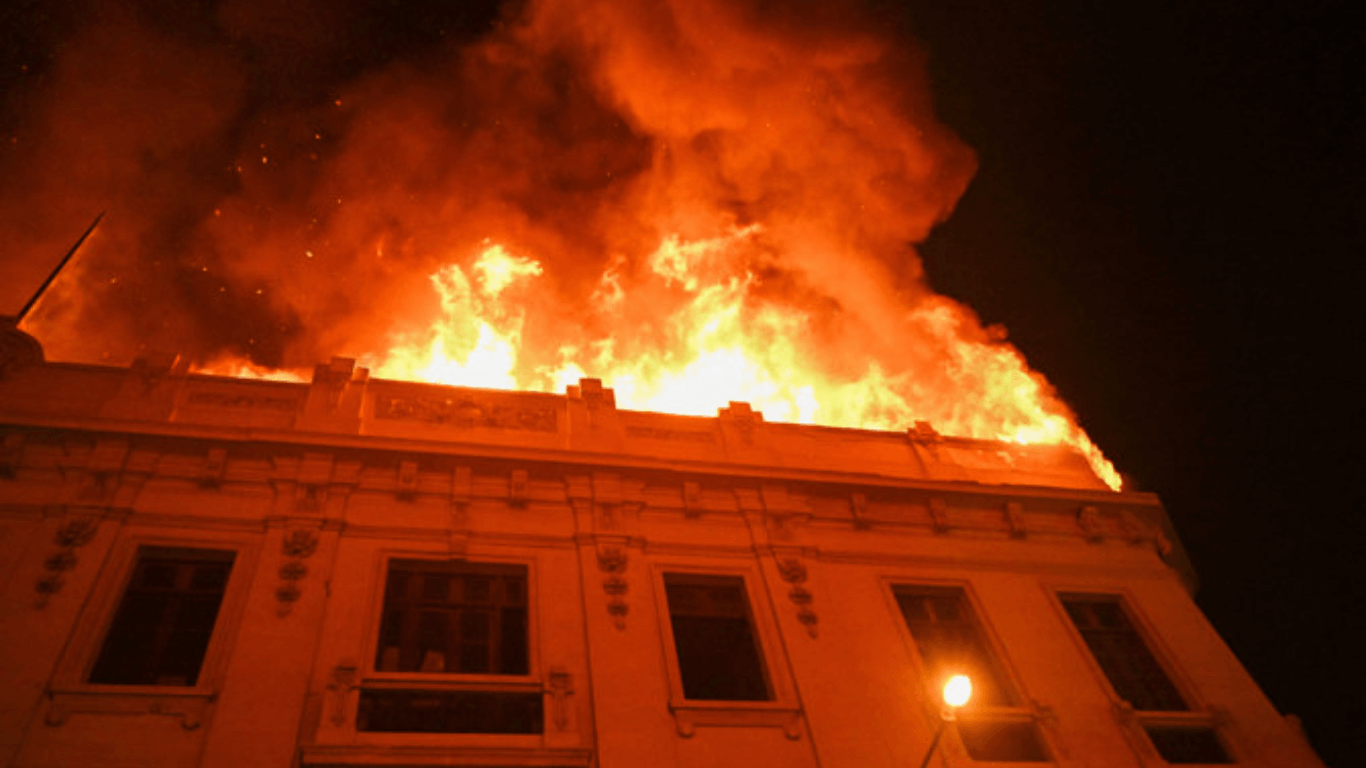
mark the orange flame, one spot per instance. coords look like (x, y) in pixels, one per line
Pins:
(725, 344)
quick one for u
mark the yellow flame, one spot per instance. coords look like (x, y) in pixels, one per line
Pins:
(724, 347)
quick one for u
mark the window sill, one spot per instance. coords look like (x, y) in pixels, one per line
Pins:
(188, 704)
(328, 756)
(689, 715)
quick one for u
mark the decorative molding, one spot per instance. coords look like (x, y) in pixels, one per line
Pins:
(72, 534)
(189, 707)
(214, 469)
(793, 571)
(467, 412)
(858, 509)
(344, 679)
(462, 491)
(210, 399)
(688, 718)
(1015, 520)
(405, 485)
(559, 686)
(743, 417)
(519, 487)
(692, 499)
(1088, 519)
(672, 435)
(298, 545)
(612, 560)
(939, 515)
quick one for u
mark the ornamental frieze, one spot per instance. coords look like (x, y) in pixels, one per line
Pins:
(467, 413)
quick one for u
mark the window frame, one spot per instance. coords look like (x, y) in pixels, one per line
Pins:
(1024, 711)
(370, 678)
(781, 710)
(71, 690)
(1135, 722)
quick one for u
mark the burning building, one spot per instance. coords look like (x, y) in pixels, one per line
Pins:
(202, 571)
(530, 537)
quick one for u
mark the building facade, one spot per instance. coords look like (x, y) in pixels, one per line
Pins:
(204, 571)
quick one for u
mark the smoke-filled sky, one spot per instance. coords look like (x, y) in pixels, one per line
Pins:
(280, 181)
(689, 197)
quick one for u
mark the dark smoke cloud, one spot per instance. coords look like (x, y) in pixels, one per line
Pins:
(280, 179)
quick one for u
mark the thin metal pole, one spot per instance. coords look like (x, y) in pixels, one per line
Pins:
(37, 295)
(930, 752)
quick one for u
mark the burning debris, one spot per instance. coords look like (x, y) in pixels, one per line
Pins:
(693, 201)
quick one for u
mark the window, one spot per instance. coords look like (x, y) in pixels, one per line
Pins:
(452, 618)
(165, 619)
(1137, 678)
(949, 641)
(713, 632)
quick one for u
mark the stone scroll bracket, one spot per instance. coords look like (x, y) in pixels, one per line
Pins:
(1015, 520)
(939, 515)
(559, 686)
(462, 492)
(344, 679)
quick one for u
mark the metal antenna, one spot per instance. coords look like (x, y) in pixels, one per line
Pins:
(19, 317)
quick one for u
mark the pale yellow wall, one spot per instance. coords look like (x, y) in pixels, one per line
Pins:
(854, 688)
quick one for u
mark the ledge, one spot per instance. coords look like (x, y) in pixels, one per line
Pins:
(736, 714)
(326, 756)
(189, 705)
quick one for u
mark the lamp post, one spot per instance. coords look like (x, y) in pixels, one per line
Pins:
(957, 691)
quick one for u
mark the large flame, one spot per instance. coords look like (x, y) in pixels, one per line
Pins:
(723, 343)
(696, 201)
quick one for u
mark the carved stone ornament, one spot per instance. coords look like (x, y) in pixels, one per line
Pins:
(71, 535)
(692, 499)
(297, 545)
(340, 684)
(1088, 519)
(215, 467)
(793, 571)
(1015, 520)
(612, 562)
(300, 542)
(939, 515)
(560, 686)
(858, 508)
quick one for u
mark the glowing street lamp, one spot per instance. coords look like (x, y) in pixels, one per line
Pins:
(957, 691)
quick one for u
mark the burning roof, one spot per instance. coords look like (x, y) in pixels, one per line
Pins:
(691, 201)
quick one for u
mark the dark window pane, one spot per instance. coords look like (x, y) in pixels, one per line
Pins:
(949, 642)
(1187, 745)
(1003, 742)
(163, 624)
(453, 617)
(1122, 654)
(718, 656)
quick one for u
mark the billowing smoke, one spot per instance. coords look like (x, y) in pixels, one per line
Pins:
(287, 185)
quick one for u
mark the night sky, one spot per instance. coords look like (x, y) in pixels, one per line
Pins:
(1166, 216)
